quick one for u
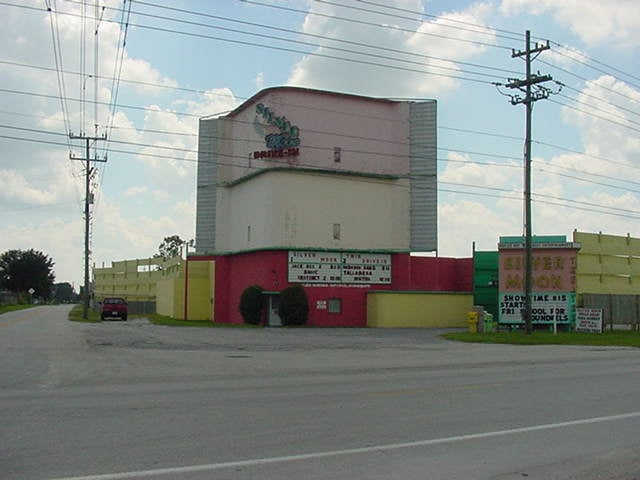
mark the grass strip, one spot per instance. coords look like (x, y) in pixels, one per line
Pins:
(13, 308)
(616, 338)
(174, 322)
(75, 315)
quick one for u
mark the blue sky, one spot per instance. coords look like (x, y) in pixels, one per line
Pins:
(196, 58)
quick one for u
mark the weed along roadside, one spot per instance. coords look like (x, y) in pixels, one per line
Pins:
(618, 338)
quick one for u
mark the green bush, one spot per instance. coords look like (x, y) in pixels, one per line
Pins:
(251, 305)
(294, 306)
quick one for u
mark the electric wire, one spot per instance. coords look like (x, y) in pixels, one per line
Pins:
(590, 82)
(371, 24)
(510, 35)
(426, 72)
(373, 63)
(305, 34)
(233, 162)
(57, 55)
(612, 211)
(586, 64)
(400, 144)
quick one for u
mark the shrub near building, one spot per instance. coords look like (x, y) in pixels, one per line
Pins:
(294, 306)
(251, 305)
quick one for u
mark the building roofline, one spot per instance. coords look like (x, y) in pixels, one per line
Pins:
(282, 88)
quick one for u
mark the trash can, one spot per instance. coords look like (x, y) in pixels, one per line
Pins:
(489, 326)
(472, 320)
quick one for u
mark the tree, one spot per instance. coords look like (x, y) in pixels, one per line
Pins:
(294, 306)
(27, 269)
(251, 304)
(170, 247)
(63, 293)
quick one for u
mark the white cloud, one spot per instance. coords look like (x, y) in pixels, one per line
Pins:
(594, 21)
(462, 170)
(49, 188)
(213, 102)
(38, 186)
(55, 237)
(421, 40)
(126, 236)
(137, 70)
(259, 81)
(161, 195)
(135, 191)
(602, 115)
(466, 221)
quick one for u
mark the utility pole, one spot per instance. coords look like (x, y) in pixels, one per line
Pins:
(87, 202)
(530, 96)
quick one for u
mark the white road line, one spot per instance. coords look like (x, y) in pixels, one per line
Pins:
(350, 451)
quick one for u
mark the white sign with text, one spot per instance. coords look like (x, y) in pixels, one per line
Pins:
(589, 320)
(339, 267)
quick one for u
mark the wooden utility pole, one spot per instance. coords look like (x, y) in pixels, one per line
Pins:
(530, 96)
(87, 214)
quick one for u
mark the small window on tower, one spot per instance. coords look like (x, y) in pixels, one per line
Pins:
(337, 151)
(248, 233)
(336, 231)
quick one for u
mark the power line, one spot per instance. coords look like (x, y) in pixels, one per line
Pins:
(117, 70)
(492, 155)
(377, 64)
(589, 82)
(629, 127)
(371, 24)
(237, 41)
(600, 99)
(510, 35)
(598, 62)
(57, 55)
(440, 127)
(232, 162)
(327, 16)
(324, 38)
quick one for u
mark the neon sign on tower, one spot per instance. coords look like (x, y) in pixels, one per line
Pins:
(282, 144)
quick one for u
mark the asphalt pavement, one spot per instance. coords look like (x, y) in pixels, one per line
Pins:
(124, 400)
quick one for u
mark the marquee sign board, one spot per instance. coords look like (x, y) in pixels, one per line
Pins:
(553, 276)
(339, 267)
(546, 308)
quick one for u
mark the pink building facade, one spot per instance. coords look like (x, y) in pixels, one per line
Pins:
(331, 305)
(327, 190)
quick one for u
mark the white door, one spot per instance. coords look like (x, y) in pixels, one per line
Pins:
(274, 319)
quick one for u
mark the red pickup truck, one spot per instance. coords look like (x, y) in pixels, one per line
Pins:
(113, 307)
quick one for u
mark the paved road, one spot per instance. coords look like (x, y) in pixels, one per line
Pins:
(126, 400)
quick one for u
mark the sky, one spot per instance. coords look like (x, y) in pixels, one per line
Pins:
(139, 75)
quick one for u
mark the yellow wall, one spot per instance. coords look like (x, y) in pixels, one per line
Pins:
(607, 264)
(169, 292)
(418, 310)
(135, 280)
(160, 281)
